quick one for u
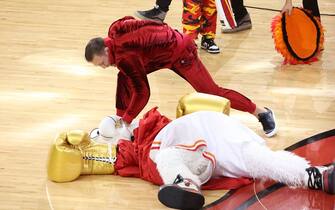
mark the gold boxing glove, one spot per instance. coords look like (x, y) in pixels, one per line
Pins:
(73, 153)
(202, 102)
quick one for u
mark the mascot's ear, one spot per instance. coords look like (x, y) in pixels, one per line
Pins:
(299, 37)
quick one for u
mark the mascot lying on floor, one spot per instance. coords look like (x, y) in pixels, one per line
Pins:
(203, 149)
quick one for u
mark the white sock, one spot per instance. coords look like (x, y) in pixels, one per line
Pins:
(170, 163)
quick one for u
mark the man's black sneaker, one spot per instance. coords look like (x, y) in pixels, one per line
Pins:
(268, 122)
(209, 45)
(154, 14)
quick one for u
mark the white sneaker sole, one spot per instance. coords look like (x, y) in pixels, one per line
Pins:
(211, 51)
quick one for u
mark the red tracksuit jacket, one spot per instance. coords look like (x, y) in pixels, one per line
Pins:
(138, 48)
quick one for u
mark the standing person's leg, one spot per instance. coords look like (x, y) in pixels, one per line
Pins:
(158, 13)
(191, 17)
(163, 4)
(208, 26)
(312, 5)
(239, 9)
(242, 17)
(208, 19)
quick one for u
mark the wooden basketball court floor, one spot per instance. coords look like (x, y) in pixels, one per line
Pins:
(47, 87)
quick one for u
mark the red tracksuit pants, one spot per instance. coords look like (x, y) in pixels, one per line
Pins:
(190, 67)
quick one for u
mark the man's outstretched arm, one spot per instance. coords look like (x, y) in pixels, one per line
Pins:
(138, 86)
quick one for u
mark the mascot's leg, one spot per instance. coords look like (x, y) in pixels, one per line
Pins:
(182, 172)
(287, 168)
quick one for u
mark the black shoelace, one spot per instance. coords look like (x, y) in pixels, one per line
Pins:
(314, 178)
(178, 179)
(210, 42)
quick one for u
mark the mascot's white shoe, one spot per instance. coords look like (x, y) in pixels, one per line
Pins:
(182, 194)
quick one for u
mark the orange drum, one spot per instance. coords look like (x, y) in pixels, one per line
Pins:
(298, 37)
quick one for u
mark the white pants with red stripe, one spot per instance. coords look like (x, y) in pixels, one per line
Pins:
(208, 144)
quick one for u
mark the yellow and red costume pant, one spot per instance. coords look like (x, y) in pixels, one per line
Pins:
(199, 16)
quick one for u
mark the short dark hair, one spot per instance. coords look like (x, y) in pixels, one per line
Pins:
(94, 47)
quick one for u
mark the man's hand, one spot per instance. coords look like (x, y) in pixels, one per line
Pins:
(124, 124)
(120, 123)
(287, 7)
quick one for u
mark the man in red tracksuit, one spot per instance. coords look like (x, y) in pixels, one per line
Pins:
(139, 47)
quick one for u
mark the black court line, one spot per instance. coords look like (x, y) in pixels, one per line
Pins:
(312, 139)
(260, 194)
(224, 197)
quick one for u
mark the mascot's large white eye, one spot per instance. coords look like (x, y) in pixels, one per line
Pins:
(94, 134)
(110, 130)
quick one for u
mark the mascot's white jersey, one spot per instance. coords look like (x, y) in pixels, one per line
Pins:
(220, 138)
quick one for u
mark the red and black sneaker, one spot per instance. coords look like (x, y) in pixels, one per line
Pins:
(324, 180)
(182, 194)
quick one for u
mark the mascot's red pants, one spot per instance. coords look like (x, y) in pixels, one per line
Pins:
(139, 47)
